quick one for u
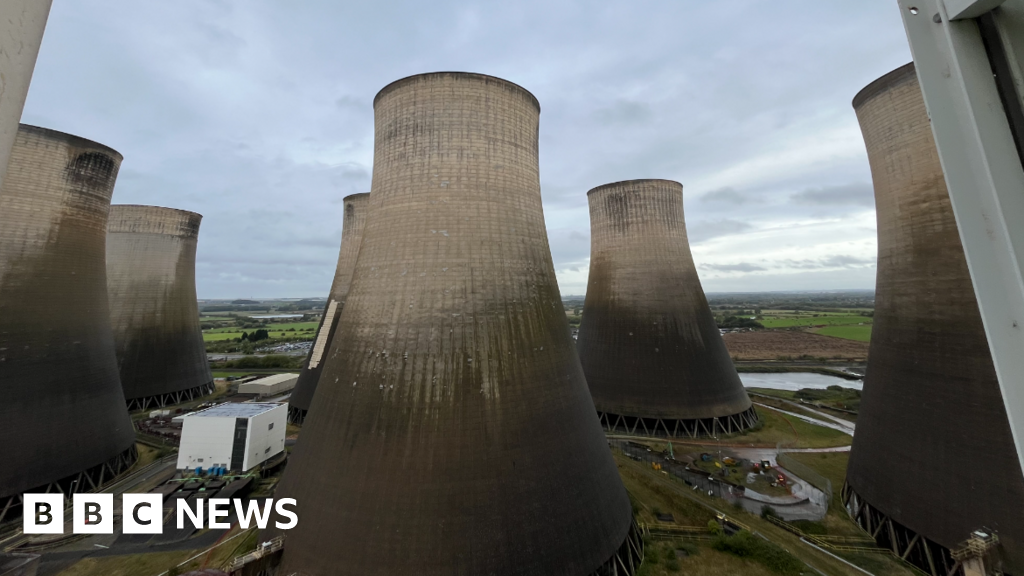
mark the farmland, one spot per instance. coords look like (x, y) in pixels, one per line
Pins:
(277, 330)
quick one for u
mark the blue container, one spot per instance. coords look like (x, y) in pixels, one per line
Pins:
(199, 470)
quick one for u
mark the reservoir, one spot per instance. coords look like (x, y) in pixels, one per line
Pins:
(796, 380)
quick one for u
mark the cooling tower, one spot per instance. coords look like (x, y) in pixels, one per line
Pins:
(452, 431)
(351, 237)
(151, 281)
(933, 459)
(650, 348)
(21, 33)
(62, 412)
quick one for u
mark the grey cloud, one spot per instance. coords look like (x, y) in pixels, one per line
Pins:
(707, 229)
(259, 106)
(727, 195)
(624, 112)
(740, 267)
(834, 261)
(845, 195)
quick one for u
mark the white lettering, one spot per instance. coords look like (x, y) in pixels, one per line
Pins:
(197, 518)
(215, 512)
(286, 513)
(246, 515)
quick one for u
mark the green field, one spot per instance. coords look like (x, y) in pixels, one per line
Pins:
(861, 333)
(787, 321)
(275, 330)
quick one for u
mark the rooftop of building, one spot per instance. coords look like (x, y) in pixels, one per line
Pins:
(272, 379)
(236, 410)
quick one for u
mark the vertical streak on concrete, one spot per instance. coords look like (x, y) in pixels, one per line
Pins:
(21, 32)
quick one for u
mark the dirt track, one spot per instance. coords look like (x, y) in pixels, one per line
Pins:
(778, 344)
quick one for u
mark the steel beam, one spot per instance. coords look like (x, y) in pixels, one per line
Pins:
(963, 9)
(983, 174)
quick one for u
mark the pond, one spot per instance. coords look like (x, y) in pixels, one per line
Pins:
(795, 380)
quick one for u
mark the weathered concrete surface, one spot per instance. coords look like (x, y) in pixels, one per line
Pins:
(648, 342)
(61, 405)
(21, 32)
(933, 448)
(151, 281)
(356, 206)
(452, 431)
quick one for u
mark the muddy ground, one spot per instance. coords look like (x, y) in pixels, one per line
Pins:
(792, 345)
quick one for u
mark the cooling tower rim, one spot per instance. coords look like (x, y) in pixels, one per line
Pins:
(356, 196)
(147, 219)
(610, 185)
(69, 139)
(472, 75)
(884, 83)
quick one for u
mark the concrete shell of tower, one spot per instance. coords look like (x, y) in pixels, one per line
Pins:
(351, 237)
(933, 451)
(62, 411)
(452, 431)
(654, 359)
(151, 282)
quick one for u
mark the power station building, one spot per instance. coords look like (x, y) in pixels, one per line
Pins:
(62, 411)
(652, 353)
(236, 436)
(933, 459)
(356, 206)
(151, 280)
(452, 431)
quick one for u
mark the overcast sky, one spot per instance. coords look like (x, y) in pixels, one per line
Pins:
(258, 115)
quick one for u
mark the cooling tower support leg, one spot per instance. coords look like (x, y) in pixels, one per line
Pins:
(969, 55)
(296, 415)
(90, 480)
(628, 558)
(170, 399)
(680, 428)
(911, 546)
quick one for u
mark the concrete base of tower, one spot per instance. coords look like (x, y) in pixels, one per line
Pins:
(171, 398)
(679, 428)
(930, 557)
(296, 415)
(90, 480)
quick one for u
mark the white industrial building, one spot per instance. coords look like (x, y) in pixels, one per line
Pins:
(233, 436)
(269, 385)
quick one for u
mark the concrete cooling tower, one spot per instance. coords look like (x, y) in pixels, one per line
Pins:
(62, 412)
(933, 459)
(654, 359)
(452, 431)
(151, 281)
(351, 238)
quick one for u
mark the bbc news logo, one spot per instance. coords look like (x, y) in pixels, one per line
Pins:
(144, 513)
